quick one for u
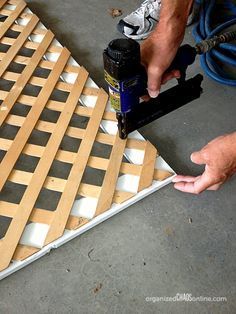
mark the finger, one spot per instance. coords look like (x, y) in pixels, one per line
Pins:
(202, 183)
(145, 98)
(170, 75)
(154, 83)
(180, 178)
(187, 187)
(197, 158)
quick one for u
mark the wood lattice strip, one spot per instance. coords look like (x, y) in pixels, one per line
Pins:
(69, 157)
(30, 45)
(111, 176)
(146, 176)
(57, 105)
(75, 132)
(24, 251)
(58, 185)
(38, 215)
(45, 64)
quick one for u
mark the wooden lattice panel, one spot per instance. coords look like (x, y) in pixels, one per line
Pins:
(53, 118)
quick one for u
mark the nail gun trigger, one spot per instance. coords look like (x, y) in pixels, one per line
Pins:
(182, 77)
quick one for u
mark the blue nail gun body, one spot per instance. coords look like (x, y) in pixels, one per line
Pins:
(127, 82)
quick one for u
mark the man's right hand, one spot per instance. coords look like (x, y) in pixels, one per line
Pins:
(160, 48)
(157, 58)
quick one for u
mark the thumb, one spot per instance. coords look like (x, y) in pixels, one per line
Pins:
(154, 83)
(197, 158)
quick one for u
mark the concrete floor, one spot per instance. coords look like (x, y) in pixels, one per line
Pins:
(150, 249)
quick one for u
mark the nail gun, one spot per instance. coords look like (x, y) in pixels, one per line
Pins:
(127, 82)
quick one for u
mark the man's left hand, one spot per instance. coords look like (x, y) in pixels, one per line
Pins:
(219, 157)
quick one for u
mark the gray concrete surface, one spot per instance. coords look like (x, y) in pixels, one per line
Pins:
(150, 249)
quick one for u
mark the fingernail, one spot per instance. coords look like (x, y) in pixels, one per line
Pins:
(192, 156)
(153, 94)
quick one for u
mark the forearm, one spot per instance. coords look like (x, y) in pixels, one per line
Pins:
(173, 18)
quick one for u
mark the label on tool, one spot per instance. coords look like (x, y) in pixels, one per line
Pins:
(114, 91)
(111, 81)
(114, 99)
(123, 93)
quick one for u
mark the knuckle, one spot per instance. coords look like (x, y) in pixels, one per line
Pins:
(222, 177)
(155, 69)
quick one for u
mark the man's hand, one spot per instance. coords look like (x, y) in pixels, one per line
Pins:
(156, 58)
(160, 48)
(219, 156)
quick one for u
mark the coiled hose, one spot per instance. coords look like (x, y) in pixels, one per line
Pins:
(214, 60)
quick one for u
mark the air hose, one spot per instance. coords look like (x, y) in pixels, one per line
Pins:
(215, 42)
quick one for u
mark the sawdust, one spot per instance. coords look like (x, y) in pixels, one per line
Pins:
(114, 12)
(97, 288)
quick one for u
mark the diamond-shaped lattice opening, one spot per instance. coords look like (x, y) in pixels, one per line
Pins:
(26, 163)
(101, 150)
(12, 192)
(41, 72)
(15, 68)
(78, 121)
(2, 17)
(59, 95)
(70, 143)
(39, 137)
(2, 154)
(8, 131)
(26, 52)
(93, 176)
(20, 109)
(4, 47)
(31, 90)
(48, 199)
(60, 169)
(6, 85)
(4, 224)
(11, 33)
(49, 115)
